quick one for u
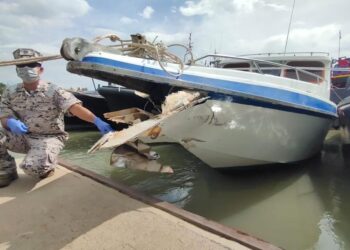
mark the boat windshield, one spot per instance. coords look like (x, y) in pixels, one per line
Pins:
(259, 67)
(303, 70)
(315, 67)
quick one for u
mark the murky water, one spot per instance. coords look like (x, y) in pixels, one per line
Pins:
(298, 206)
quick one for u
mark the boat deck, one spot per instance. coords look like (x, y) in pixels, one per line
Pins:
(81, 210)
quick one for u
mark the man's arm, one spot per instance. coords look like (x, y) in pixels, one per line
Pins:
(4, 122)
(82, 113)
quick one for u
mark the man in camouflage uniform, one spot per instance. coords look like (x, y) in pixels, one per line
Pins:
(32, 118)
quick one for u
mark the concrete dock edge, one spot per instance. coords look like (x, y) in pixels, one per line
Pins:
(197, 220)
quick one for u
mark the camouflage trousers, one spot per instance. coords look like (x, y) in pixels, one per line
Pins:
(41, 152)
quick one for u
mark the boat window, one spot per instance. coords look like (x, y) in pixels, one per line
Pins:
(239, 66)
(314, 67)
(269, 69)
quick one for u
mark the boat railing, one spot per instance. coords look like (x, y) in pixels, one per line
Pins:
(298, 70)
(347, 69)
(311, 53)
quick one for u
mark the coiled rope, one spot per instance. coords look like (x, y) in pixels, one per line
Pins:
(138, 46)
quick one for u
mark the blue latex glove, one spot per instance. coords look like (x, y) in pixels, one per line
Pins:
(16, 126)
(102, 126)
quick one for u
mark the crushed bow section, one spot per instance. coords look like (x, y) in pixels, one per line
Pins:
(129, 151)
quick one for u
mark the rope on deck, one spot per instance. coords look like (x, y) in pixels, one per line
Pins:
(138, 46)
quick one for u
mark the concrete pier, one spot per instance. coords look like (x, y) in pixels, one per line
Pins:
(77, 209)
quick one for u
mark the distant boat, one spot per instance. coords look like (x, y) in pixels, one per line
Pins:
(341, 95)
(340, 78)
(261, 109)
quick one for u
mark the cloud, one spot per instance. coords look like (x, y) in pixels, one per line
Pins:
(226, 26)
(316, 39)
(127, 20)
(210, 7)
(245, 5)
(167, 38)
(24, 23)
(44, 9)
(277, 7)
(147, 12)
(203, 7)
(8, 7)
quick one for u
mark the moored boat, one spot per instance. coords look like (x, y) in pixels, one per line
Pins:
(341, 95)
(258, 110)
(340, 79)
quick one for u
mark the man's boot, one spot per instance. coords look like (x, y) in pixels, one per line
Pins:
(7, 176)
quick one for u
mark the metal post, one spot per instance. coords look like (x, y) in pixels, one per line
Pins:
(339, 44)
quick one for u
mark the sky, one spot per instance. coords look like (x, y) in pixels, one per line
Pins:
(232, 27)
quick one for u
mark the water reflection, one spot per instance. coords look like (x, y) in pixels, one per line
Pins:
(296, 206)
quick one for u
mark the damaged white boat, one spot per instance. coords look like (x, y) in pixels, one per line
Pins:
(245, 111)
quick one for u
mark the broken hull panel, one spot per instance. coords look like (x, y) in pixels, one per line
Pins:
(227, 134)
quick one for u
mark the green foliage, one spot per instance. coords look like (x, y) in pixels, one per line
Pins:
(2, 87)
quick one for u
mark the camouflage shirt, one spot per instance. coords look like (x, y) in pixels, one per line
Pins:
(42, 110)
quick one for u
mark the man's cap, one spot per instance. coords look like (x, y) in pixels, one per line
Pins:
(26, 53)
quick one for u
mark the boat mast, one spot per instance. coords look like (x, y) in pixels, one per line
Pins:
(290, 22)
(189, 47)
(190, 42)
(339, 44)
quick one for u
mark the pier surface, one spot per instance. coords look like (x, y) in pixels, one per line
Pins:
(73, 211)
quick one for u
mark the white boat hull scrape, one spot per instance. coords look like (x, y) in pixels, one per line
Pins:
(226, 134)
(223, 133)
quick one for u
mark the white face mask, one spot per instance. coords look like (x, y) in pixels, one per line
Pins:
(28, 74)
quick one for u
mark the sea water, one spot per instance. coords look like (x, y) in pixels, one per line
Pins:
(294, 206)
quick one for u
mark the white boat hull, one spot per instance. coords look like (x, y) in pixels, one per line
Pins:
(227, 134)
(264, 119)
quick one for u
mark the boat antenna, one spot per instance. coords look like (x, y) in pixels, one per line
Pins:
(190, 43)
(339, 44)
(290, 22)
(190, 46)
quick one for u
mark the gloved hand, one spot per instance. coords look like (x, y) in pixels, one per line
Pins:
(16, 126)
(102, 126)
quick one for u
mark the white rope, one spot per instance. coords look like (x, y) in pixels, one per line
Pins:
(112, 37)
(29, 60)
(146, 49)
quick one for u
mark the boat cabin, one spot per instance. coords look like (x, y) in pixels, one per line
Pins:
(308, 68)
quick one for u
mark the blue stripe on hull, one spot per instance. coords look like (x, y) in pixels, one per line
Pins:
(238, 87)
(257, 103)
